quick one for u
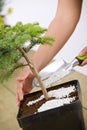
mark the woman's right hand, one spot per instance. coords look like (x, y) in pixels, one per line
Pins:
(82, 53)
(24, 83)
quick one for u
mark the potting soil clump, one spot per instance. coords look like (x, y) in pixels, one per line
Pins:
(58, 97)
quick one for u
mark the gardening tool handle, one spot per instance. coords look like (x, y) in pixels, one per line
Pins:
(81, 58)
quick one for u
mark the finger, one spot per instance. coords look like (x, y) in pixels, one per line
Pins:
(20, 90)
(20, 93)
(84, 51)
(17, 98)
(84, 62)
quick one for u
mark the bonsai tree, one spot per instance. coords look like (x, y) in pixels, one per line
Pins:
(12, 41)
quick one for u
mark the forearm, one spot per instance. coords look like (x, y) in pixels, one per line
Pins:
(60, 29)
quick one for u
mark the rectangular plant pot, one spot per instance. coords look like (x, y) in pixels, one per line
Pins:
(67, 117)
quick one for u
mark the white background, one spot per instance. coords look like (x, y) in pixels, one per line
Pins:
(43, 11)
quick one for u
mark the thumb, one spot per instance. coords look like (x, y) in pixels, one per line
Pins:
(83, 51)
(19, 93)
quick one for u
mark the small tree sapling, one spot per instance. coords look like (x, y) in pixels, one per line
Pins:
(12, 41)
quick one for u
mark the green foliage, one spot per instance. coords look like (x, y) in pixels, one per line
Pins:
(13, 38)
(16, 36)
(8, 59)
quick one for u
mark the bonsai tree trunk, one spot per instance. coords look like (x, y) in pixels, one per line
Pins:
(35, 72)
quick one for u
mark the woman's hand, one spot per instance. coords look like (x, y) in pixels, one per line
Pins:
(83, 52)
(24, 82)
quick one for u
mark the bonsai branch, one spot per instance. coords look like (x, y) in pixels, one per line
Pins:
(19, 65)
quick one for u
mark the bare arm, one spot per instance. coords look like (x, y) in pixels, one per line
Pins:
(61, 28)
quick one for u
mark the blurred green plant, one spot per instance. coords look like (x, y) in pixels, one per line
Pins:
(9, 10)
(3, 3)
